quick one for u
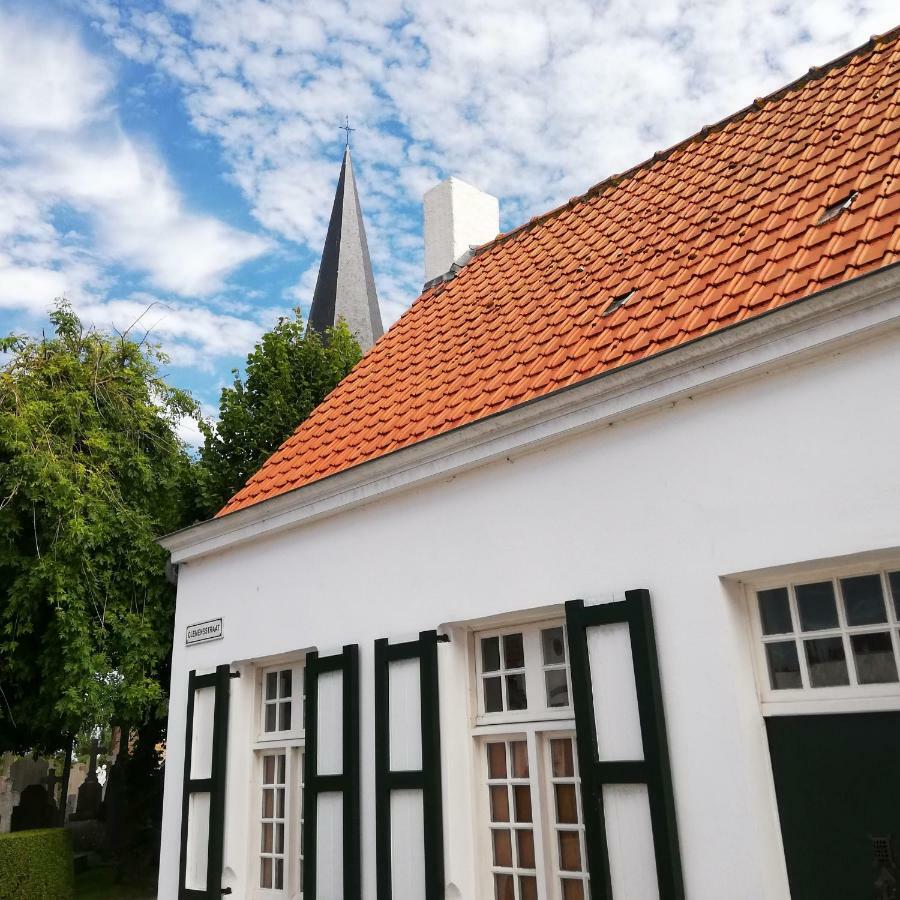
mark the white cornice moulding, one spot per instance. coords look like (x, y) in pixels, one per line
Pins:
(821, 323)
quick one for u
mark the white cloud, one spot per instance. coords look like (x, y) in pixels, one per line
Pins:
(47, 81)
(62, 147)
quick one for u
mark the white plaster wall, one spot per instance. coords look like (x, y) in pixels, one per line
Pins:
(791, 466)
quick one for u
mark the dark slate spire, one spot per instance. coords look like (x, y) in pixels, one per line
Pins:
(345, 288)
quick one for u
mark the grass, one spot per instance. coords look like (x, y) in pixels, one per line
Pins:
(100, 884)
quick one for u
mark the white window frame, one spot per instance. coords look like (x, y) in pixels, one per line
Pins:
(292, 801)
(291, 742)
(853, 697)
(297, 711)
(537, 736)
(535, 690)
(536, 725)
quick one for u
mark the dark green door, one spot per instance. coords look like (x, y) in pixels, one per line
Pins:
(837, 779)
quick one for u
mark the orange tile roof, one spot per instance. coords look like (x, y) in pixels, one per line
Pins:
(717, 230)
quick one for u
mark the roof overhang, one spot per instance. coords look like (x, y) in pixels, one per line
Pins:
(846, 313)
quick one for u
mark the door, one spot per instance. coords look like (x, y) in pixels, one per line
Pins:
(837, 780)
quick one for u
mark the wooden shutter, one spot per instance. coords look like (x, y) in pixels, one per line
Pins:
(203, 799)
(331, 826)
(629, 809)
(409, 840)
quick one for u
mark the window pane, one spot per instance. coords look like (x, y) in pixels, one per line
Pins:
(493, 695)
(566, 806)
(817, 606)
(572, 889)
(784, 665)
(281, 764)
(775, 611)
(279, 838)
(270, 716)
(269, 770)
(894, 579)
(496, 760)
(528, 887)
(499, 803)
(569, 851)
(513, 651)
(554, 644)
(285, 714)
(266, 845)
(863, 600)
(279, 874)
(271, 685)
(826, 662)
(519, 752)
(557, 687)
(502, 849)
(525, 848)
(490, 654)
(522, 793)
(265, 874)
(286, 683)
(562, 763)
(515, 692)
(503, 887)
(268, 805)
(874, 656)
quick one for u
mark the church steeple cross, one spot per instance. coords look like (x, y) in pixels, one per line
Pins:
(346, 127)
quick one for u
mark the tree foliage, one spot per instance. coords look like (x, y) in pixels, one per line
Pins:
(288, 373)
(91, 473)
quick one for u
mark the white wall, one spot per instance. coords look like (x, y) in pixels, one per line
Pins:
(792, 466)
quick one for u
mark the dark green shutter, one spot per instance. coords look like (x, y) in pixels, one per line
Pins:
(214, 785)
(347, 783)
(427, 779)
(653, 770)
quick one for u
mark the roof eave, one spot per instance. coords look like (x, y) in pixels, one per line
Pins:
(805, 326)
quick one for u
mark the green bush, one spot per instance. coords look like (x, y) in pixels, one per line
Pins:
(36, 865)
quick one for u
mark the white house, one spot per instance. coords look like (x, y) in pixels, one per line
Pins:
(586, 581)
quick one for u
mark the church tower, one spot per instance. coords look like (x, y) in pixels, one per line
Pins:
(345, 288)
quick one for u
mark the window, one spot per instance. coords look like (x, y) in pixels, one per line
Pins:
(838, 635)
(281, 708)
(523, 672)
(530, 801)
(534, 800)
(277, 865)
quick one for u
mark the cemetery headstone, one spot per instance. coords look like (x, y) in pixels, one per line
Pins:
(34, 810)
(90, 794)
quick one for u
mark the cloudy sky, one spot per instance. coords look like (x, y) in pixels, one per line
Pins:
(181, 155)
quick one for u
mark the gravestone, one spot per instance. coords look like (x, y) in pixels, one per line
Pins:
(90, 794)
(51, 781)
(34, 810)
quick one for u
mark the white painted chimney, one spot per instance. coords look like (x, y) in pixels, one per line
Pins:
(457, 218)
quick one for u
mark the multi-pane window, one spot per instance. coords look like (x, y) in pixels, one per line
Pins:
(532, 822)
(535, 822)
(272, 821)
(278, 863)
(523, 671)
(831, 633)
(278, 700)
(570, 866)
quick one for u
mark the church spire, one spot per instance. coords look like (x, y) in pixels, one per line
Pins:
(345, 288)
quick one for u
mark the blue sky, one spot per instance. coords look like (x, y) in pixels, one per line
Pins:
(174, 161)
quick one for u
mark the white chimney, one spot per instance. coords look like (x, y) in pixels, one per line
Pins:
(457, 218)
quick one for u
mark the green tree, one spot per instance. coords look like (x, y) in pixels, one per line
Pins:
(288, 373)
(91, 473)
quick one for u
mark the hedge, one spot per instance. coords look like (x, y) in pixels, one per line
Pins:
(36, 865)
